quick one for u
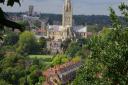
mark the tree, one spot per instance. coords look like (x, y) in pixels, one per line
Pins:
(72, 49)
(3, 20)
(107, 63)
(33, 78)
(23, 23)
(27, 43)
(6, 22)
(2, 82)
(42, 42)
(11, 39)
(59, 59)
(12, 68)
(65, 44)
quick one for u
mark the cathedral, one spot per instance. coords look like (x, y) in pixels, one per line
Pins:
(58, 33)
(63, 31)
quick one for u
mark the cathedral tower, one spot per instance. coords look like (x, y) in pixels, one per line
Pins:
(67, 15)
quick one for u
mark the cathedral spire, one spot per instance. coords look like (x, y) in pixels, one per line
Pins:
(68, 5)
(67, 15)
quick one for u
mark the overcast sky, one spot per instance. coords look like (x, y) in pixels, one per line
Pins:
(84, 7)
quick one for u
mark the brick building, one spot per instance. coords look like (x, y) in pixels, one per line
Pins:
(61, 74)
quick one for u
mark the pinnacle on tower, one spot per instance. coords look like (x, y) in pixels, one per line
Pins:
(67, 15)
(68, 5)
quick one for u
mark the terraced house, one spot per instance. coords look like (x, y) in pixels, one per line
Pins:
(61, 74)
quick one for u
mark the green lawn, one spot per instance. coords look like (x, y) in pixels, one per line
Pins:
(46, 59)
(41, 56)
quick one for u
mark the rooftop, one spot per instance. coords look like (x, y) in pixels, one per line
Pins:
(61, 69)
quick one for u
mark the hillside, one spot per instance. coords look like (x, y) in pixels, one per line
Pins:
(101, 20)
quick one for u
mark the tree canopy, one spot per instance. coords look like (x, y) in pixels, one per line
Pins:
(27, 43)
(107, 63)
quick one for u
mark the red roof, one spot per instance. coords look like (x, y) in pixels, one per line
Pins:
(58, 69)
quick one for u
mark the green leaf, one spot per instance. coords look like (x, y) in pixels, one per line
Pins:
(1, 14)
(10, 3)
(2, 1)
(18, 1)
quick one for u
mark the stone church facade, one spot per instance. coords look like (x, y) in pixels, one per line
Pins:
(62, 32)
(58, 33)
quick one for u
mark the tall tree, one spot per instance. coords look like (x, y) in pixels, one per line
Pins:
(107, 63)
(27, 43)
(11, 39)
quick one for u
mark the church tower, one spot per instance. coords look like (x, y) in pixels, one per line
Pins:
(67, 15)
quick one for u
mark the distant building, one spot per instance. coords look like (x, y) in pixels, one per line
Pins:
(54, 47)
(81, 32)
(57, 33)
(61, 74)
(63, 31)
(67, 30)
(31, 9)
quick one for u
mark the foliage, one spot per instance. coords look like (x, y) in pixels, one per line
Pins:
(92, 73)
(72, 49)
(27, 43)
(59, 59)
(33, 78)
(114, 65)
(42, 42)
(65, 44)
(10, 2)
(23, 23)
(107, 63)
(6, 22)
(76, 48)
(45, 61)
(2, 82)
(76, 59)
(35, 72)
(12, 68)
(105, 31)
(11, 38)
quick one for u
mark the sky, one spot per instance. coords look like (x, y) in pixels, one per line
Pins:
(81, 7)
